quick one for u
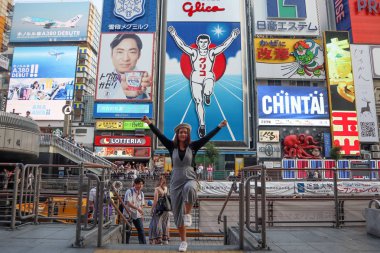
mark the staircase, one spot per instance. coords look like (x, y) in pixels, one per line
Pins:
(53, 144)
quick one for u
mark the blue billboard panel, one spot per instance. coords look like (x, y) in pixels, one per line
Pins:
(41, 74)
(299, 106)
(123, 110)
(343, 16)
(50, 22)
(134, 16)
(204, 89)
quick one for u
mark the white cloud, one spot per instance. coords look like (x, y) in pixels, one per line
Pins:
(172, 66)
(234, 65)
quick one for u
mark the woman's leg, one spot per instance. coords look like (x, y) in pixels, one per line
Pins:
(190, 195)
(182, 233)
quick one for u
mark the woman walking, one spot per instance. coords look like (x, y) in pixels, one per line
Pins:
(183, 184)
(159, 225)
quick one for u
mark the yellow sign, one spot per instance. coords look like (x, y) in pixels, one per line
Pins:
(285, 50)
(109, 125)
(239, 164)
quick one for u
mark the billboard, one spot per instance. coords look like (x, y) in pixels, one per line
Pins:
(364, 94)
(123, 110)
(203, 81)
(42, 79)
(289, 58)
(127, 125)
(344, 121)
(123, 141)
(358, 17)
(125, 67)
(50, 22)
(123, 152)
(279, 17)
(299, 106)
(136, 16)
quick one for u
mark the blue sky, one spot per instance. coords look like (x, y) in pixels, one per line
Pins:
(98, 3)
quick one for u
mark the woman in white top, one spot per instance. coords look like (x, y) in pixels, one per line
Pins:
(159, 225)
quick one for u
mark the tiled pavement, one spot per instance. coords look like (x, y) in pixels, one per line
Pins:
(57, 238)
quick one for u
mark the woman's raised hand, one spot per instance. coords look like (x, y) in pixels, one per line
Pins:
(222, 124)
(145, 119)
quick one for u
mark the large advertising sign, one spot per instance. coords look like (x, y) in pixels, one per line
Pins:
(203, 69)
(128, 125)
(344, 121)
(299, 106)
(375, 56)
(42, 79)
(123, 152)
(359, 17)
(364, 95)
(50, 22)
(125, 67)
(129, 17)
(286, 17)
(123, 141)
(289, 58)
(122, 110)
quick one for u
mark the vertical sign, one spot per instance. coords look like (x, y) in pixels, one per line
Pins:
(203, 70)
(365, 99)
(342, 93)
(126, 55)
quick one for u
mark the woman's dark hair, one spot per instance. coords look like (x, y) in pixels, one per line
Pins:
(187, 141)
(122, 36)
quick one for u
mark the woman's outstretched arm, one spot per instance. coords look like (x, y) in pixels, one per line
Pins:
(164, 140)
(196, 145)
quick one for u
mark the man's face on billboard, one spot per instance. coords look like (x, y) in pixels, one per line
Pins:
(125, 55)
(203, 43)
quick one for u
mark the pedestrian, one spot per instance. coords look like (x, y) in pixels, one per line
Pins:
(159, 225)
(183, 184)
(134, 201)
(209, 173)
(199, 171)
(28, 115)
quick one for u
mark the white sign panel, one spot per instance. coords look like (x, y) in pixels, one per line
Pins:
(39, 109)
(268, 150)
(269, 136)
(364, 93)
(203, 10)
(375, 55)
(275, 17)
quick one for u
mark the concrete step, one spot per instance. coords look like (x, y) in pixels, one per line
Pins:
(137, 248)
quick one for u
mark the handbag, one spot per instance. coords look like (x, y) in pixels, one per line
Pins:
(163, 204)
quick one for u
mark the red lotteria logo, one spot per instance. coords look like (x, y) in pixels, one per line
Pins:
(199, 7)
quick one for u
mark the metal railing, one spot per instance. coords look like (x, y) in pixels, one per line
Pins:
(78, 152)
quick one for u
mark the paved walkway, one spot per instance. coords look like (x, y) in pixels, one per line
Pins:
(57, 238)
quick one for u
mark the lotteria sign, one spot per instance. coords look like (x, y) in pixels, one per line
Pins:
(360, 18)
(302, 106)
(122, 141)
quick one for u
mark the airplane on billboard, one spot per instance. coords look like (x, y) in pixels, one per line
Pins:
(50, 23)
(56, 54)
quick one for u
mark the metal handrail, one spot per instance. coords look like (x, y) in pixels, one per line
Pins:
(83, 154)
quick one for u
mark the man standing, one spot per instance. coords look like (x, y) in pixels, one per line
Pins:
(134, 201)
(200, 171)
(28, 115)
(202, 79)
